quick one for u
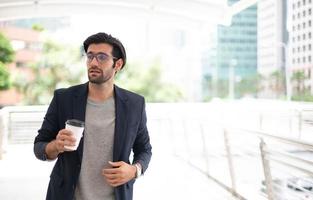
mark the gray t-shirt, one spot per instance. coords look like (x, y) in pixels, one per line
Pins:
(98, 150)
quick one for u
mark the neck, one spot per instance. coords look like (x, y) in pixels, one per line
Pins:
(100, 92)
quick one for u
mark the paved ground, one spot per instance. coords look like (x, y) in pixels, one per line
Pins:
(23, 177)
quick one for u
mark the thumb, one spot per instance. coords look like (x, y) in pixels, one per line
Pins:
(116, 164)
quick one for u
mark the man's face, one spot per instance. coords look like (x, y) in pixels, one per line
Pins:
(100, 63)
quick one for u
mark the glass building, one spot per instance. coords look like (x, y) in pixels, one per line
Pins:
(234, 57)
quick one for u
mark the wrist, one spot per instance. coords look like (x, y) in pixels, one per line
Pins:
(51, 150)
(138, 171)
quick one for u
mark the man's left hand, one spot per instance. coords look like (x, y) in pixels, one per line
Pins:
(120, 173)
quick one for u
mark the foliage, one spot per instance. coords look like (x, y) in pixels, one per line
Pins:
(277, 83)
(6, 56)
(4, 77)
(249, 86)
(57, 68)
(147, 81)
(299, 78)
(38, 27)
(6, 50)
(304, 97)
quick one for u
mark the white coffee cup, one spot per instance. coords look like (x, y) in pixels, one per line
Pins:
(77, 128)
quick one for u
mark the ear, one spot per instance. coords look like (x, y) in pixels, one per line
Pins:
(118, 64)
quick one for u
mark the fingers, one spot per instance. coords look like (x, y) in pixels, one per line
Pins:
(113, 179)
(64, 138)
(116, 164)
(119, 174)
(65, 134)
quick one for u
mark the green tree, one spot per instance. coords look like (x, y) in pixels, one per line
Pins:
(6, 56)
(147, 81)
(300, 92)
(249, 86)
(6, 50)
(38, 27)
(277, 83)
(298, 78)
(58, 67)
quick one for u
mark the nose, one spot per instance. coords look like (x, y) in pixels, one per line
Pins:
(94, 61)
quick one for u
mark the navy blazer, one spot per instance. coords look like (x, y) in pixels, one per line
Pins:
(131, 134)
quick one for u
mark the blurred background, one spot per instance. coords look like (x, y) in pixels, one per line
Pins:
(228, 85)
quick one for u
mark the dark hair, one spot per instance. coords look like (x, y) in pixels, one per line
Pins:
(118, 48)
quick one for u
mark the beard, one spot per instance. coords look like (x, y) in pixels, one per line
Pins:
(100, 77)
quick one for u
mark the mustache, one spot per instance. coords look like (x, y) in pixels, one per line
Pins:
(94, 69)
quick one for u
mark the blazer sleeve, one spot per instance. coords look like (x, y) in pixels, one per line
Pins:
(48, 130)
(142, 147)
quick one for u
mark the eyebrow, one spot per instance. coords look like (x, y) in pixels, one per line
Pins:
(98, 52)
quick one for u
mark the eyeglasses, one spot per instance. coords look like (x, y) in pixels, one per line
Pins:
(100, 57)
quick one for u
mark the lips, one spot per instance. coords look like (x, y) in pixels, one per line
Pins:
(94, 71)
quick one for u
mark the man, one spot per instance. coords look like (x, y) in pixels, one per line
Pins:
(115, 125)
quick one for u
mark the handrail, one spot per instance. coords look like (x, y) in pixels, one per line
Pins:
(231, 155)
(285, 159)
(296, 142)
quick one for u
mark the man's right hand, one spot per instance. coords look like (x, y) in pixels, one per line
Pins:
(64, 138)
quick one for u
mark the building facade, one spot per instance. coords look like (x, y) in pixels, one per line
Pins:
(27, 46)
(272, 46)
(234, 57)
(300, 48)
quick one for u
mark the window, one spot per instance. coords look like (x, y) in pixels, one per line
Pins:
(303, 2)
(310, 11)
(309, 58)
(303, 25)
(298, 15)
(298, 26)
(303, 47)
(20, 64)
(298, 49)
(310, 23)
(310, 35)
(303, 13)
(303, 59)
(303, 36)
(310, 47)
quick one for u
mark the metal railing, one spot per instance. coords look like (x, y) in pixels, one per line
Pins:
(249, 164)
(252, 164)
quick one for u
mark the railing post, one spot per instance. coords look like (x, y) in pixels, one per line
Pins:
(230, 163)
(3, 130)
(267, 171)
(260, 121)
(204, 149)
(300, 124)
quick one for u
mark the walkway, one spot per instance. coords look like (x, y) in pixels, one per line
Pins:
(23, 177)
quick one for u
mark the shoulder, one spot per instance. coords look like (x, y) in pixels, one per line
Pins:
(128, 95)
(76, 89)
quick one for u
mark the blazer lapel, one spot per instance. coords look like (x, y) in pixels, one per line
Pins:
(120, 122)
(79, 111)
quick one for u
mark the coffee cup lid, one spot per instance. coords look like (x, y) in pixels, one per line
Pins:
(75, 122)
